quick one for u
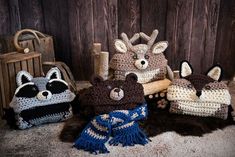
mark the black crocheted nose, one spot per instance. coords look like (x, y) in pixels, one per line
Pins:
(199, 81)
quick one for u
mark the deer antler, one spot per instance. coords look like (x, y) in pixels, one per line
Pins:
(18, 33)
(149, 39)
(126, 40)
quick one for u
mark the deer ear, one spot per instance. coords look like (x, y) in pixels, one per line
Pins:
(23, 77)
(120, 46)
(215, 72)
(159, 47)
(185, 69)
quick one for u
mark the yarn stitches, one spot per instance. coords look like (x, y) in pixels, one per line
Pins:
(121, 124)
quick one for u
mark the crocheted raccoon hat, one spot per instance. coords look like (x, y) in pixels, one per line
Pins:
(42, 99)
(106, 96)
(200, 95)
(147, 61)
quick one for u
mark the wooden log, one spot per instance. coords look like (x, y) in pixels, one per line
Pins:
(104, 65)
(96, 56)
(156, 86)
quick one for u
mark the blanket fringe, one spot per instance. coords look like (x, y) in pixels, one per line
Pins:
(92, 147)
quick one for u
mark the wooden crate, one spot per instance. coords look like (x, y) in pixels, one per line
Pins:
(46, 47)
(10, 65)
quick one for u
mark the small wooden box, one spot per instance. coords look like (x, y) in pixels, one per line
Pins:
(10, 65)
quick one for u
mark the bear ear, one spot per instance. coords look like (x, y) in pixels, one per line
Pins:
(132, 77)
(185, 69)
(159, 47)
(96, 79)
(53, 73)
(215, 72)
(120, 46)
(23, 77)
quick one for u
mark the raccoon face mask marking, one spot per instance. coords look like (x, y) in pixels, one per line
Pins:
(199, 94)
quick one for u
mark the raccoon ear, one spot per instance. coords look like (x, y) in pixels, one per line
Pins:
(96, 79)
(215, 72)
(120, 46)
(132, 77)
(185, 69)
(23, 77)
(53, 73)
(159, 47)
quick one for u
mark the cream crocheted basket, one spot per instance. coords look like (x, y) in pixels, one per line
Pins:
(199, 95)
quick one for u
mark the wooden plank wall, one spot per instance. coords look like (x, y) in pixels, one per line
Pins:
(201, 31)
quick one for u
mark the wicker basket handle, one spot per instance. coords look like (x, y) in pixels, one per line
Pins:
(18, 33)
(66, 72)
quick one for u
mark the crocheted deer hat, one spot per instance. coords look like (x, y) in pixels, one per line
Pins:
(197, 94)
(106, 96)
(147, 61)
(42, 99)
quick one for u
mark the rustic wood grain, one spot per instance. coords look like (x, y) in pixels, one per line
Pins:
(153, 16)
(178, 31)
(4, 18)
(203, 38)
(128, 17)
(31, 14)
(225, 44)
(81, 37)
(14, 15)
(105, 21)
(57, 24)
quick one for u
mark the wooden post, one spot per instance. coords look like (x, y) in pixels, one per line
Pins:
(104, 65)
(96, 55)
(176, 74)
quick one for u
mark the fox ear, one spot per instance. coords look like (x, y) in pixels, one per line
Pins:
(185, 69)
(23, 77)
(215, 72)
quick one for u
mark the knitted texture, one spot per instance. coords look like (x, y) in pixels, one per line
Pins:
(41, 100)
(120, 124)
(199, 95)
(106, 96)
(145, 60)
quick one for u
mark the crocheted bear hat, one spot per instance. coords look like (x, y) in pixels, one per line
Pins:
(41, 99)
(147, 61)
(197, 94)
(106, 96)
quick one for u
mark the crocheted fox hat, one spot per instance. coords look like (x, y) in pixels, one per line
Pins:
(42, 99)
(200, 95)
(106, 96)
(147, 61)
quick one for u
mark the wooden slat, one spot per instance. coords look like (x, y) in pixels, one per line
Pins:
(105, 19)
(30, 66)
(153, 16)
(225, 47)
(24, 65)
(36, 64)
(57, 25)
(178, 31)
(81, 37)
(12, 78)
(205, 19)
(6, 85)
(129, 16)
(31, 14)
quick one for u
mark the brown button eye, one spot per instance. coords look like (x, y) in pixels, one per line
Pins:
(135, 56)
(190, 86)
(146, 56)
(207, 87)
